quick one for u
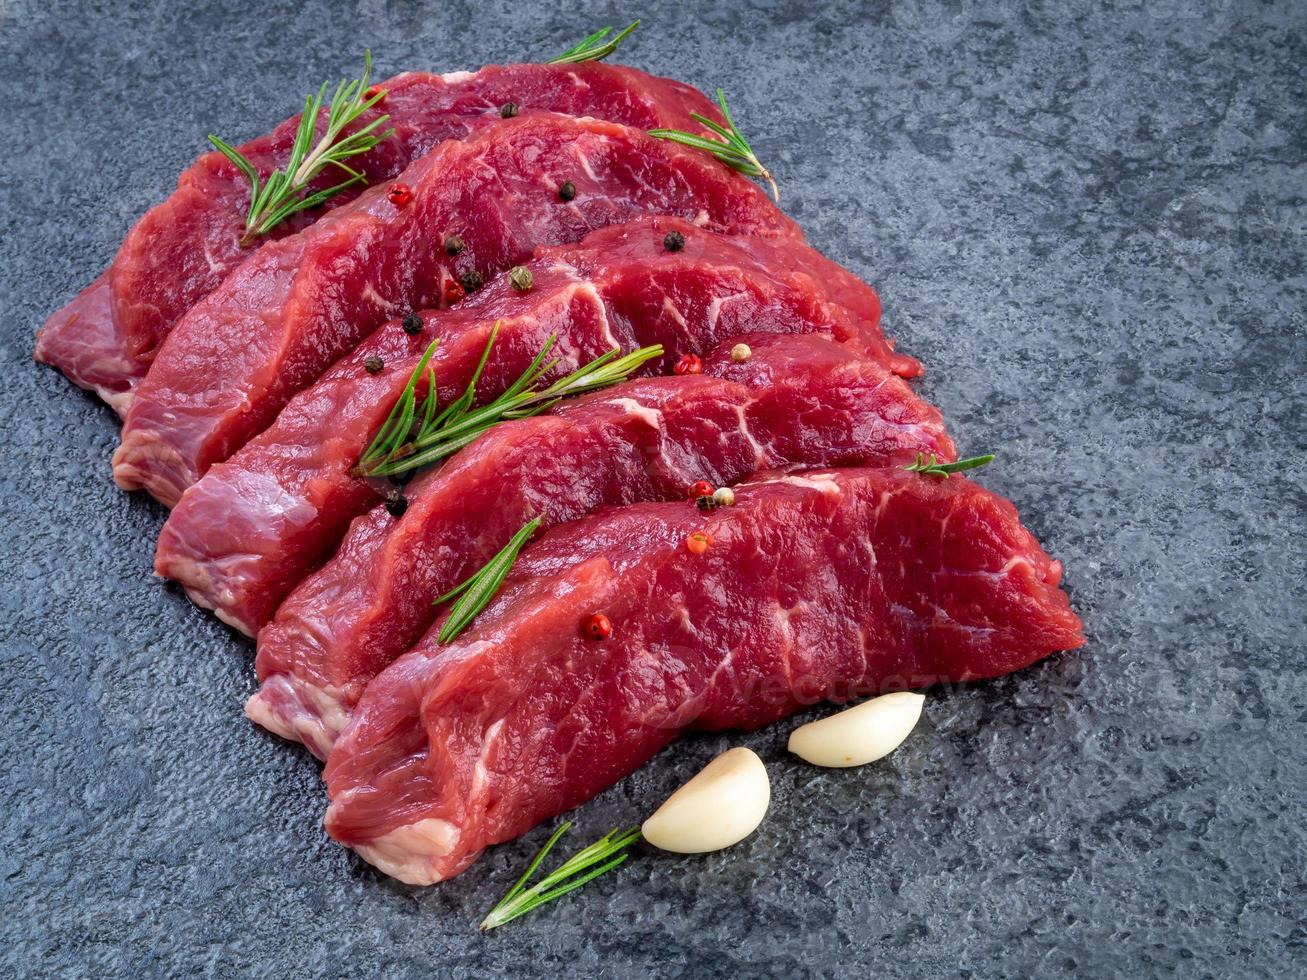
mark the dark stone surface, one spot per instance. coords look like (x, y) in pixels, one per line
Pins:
(1088, 222)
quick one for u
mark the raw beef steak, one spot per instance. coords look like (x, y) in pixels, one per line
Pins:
(798, 400)
(824, 585)
(183, 248)
(246, 533)
(283, 317)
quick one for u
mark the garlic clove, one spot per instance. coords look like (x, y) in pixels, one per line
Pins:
(861, 734)
(719, 807)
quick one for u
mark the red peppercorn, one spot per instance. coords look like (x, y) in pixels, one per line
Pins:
(689, 364)
(399, 194)
(698, 542)
(701, 489)
(374, 90)
(599, 627)
(454, 291)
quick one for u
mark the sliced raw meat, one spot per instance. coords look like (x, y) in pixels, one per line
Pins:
(243, 536)
(824, 585)
(279, 320)
(182, 249)
(798, 400)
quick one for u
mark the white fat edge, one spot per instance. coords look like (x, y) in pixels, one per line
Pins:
(450, 77)
(817, 481)
(1012, 563)
(760, 457)
(670, 309)
(488, 741)
(318, 720)
(715, 308)
(787, 640)
(650, 416)
(683, 614)
(142, 459)
(376, 299)
(119, 401)
(586, 288)
(214, 265)
(408, 852)
(583, 160)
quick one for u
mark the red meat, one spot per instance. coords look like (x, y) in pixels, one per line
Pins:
(822, 585)
(243, 536)
(283, 317)
(183, 248)
(796, 400)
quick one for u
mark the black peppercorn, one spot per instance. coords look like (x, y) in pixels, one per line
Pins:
(471, 280)
(705, 503)
(373, 365)
(412, 324)
(567, 191)
(454, 245)
(397, 505)
(508, 110)
(674, 241)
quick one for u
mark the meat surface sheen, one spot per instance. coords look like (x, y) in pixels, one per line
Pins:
(245, 534)
(183, 248)
(819, 585)
(286, 314)
(797, 400)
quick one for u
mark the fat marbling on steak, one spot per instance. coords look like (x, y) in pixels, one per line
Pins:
(283, 317)
(246, 533)
(180, 250)
(796, 400)
(821, 585)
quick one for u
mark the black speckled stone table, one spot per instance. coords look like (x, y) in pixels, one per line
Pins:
(1088, 222)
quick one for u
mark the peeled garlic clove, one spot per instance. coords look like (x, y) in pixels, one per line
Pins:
(861, 734)
(719, 807)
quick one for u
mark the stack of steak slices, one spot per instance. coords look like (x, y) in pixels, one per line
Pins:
(244, 535)
(184, 248)
(796, 400)
(278, 321)
(253, 378)
(819, 585)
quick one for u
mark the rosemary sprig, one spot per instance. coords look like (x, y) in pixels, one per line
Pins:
(595, 47)
(282, 195)
(404, 443)
(931, 466)
(733, 149)
(475, 593)
(603, 855)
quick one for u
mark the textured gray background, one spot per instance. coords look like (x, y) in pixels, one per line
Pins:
(1087, 221)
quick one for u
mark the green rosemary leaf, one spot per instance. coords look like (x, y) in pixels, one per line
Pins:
(602, 856)
(476, 592)
(242, 164)
(397, 448)
(931, 466)
(732, 149)
(395, 430)
(274, 200)
(596, 47)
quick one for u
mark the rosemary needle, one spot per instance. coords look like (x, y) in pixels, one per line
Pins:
(603, 855)
(476, 592)
(732, 149)
(282, 194)
(411, 438)
(595, 47)
(931, 466)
